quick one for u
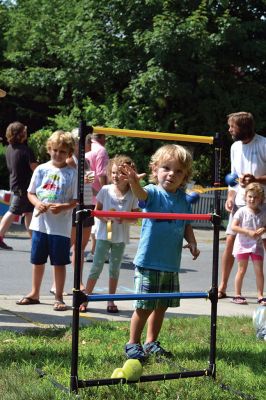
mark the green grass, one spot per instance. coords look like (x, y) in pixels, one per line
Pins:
(241, 360)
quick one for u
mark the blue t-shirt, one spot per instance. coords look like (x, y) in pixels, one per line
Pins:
(161, 241)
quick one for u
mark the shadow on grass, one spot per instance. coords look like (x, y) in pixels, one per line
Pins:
(254, 360)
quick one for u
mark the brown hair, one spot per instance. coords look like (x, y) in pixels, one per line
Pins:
(14, 132)
(256, 188)
(172, 152)
(61, 138)
(119, 160)
(245, 122)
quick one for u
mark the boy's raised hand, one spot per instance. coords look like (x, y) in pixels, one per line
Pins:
(129, 173)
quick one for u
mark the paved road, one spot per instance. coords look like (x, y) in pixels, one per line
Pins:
(15, 282)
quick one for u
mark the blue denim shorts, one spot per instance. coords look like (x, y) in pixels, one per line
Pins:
(55, 246)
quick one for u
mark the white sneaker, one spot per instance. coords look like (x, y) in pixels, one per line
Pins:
(89, 257)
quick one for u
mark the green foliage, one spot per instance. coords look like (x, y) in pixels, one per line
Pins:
(37, 142)
(167, 66)
(239, 365)
(4, 175)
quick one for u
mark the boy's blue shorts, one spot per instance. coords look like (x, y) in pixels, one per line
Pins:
(55, 246)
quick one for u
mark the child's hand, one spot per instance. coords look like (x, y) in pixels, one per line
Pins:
(260, 231)
(128, 173)
(255, 234)
(42, 208)
(193, 249)
(56, 208)
(89, 177)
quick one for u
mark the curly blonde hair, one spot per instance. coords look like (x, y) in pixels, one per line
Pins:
(172, 152)
(60, 138)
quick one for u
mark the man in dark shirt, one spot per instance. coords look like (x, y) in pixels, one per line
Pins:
(20, 163)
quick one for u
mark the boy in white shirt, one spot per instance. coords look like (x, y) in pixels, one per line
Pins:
(52, 191)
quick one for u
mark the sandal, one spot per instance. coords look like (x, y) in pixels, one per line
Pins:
(239, 300)
(83, 307)
(27, 301)
(262, 301)
(59, 306)
(112, 309)
(221, 295)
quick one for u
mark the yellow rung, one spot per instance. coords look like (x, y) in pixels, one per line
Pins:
(153, 135)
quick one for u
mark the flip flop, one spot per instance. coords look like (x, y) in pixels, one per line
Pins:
(26, 301)
(221, 295)
(112, 309)
(239, 300)
(262, 301)
(59, 306)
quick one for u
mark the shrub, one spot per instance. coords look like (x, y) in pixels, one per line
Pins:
(37, 142)
(4, 174)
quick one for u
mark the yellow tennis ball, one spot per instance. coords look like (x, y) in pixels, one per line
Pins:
(132, 369)
(118, 373)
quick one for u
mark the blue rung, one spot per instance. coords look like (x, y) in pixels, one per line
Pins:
(151, 296)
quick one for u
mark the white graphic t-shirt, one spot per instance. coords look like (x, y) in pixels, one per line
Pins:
(110, 201)
(53, 185)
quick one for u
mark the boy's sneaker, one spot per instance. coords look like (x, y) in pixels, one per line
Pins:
(154, 348)
(135, 351)
(4, 246)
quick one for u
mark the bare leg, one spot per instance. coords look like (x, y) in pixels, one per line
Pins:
(137, 324)
(227, 263)
(258, 268)
(112, 289)
(60, 277)
(93, 243)
(155, 322)
(88, 290)
(85, 239)
(27, 221)
(37, 276)
(6, 221)
(242, 268)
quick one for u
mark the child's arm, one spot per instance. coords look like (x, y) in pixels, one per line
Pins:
(248, 232)
(191, 241)
(260, 231)
(99, 207)
(56, 208)
(40, 206)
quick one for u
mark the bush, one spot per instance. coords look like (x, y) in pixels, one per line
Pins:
(37, 142)
(4, 174)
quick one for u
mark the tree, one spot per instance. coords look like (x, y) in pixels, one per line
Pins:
(159, 65)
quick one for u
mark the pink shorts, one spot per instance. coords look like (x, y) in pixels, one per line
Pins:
(245, 256)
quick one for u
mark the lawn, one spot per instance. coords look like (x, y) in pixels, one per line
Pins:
(241, 360)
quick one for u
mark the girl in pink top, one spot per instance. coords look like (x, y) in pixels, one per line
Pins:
(249, 222)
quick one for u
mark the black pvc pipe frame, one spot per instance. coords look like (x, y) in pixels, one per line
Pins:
(79, 297)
